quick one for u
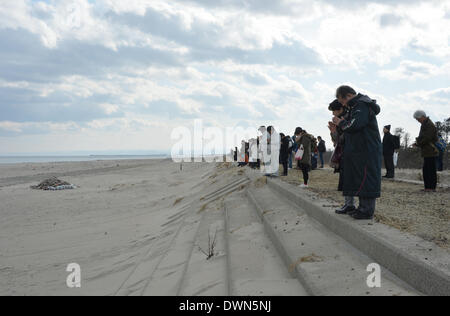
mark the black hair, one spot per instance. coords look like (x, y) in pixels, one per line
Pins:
(319, 137)
(335, 106)
(298, 130)
(343, 91)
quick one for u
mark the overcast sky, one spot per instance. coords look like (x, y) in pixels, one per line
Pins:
(120, 75)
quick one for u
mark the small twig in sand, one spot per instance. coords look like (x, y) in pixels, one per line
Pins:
(178, 201)
(211, 246)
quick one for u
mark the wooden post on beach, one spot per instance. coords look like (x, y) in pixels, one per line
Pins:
(181, 166)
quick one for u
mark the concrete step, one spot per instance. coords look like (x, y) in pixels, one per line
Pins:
(324, 263)
(229, 188)
(167, 276)
(255, 269)
(207, 277)
(420, 263)
(139, 276)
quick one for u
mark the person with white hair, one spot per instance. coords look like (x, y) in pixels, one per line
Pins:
(427, 143)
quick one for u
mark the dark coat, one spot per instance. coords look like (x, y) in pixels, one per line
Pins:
(427, 139)
(363, 149)
(322, 148)
(307, 141)
(388, 144)
(284, 149)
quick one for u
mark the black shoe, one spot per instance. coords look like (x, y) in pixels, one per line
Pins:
(361, 216)
(345, 210)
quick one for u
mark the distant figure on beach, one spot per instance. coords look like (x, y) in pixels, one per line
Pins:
(322, 150)
(388, 152)
(314, 153)
(284, 152)
(427, 143)
(362, 151)
(253, 153)
(273, 152)
(262, 146)
(297, 133)
(304, 142)
(242, 154)
(441, 146)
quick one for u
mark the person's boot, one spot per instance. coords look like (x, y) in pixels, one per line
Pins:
(358, 215)
(345, 210)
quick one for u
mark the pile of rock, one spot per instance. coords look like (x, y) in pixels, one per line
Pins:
(53, 184)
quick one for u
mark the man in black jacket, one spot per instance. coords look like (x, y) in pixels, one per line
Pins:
(427, 143)
(322, 149)
(362, 151)
(388, 152)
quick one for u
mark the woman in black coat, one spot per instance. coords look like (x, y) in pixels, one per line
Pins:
(284, 153)
(362, 152)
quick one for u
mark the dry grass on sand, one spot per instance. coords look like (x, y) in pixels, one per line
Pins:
(402, 205)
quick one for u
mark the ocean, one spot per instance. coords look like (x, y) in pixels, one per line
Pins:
(42, 159)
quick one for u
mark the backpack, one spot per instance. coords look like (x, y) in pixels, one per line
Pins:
(291, 143)
(322, 147)
(396, 140)
(441, 145)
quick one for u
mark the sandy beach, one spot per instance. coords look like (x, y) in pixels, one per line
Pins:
(105, 226)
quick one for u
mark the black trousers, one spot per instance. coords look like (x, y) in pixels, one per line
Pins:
(305, 169)
(440, 161)
(430, 173)
(389, 164)
(285, 166)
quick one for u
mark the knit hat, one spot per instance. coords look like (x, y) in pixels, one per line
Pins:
(388, 127)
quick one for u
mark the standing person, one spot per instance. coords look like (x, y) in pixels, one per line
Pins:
(242, 155)
(314, 153)
(284, 153)
(297, 133)
(322, 149)
(262, 147)
(441, 146)
(273, 142)
(388, 152)
(291, 151)
(426, 142)
(337, 160)
(362, 150)
(305, 140)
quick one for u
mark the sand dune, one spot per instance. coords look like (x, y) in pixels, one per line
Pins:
(106, 225)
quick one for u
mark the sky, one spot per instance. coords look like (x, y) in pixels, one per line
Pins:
(119, 76)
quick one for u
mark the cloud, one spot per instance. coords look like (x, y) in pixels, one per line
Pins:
(413, 70)
(94, 69)
(388, 19)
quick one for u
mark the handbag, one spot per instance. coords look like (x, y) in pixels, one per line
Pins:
(299, 153)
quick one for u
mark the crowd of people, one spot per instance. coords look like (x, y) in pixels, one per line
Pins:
(357, 156)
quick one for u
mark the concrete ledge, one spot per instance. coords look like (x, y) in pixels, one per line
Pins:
(227, 250)
(423, 265)
(288, 258)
